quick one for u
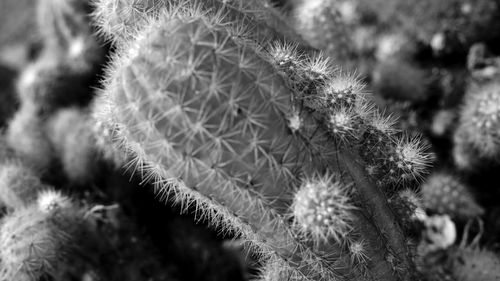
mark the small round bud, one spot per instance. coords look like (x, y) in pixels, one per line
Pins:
(51, 200)
(358, 250)
(322, 208)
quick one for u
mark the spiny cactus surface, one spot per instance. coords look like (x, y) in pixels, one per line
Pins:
(215, 119)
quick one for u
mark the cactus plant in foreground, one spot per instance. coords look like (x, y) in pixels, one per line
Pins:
(223, 122)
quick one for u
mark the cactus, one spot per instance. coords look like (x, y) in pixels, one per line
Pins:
(120, 21)
(321, 208)
(207, 116)
(407, 206)
(479, 125)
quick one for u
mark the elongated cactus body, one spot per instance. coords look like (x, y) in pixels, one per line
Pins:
(217, 120)
(216, 125)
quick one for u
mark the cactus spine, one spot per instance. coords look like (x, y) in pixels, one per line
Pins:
(204, 111)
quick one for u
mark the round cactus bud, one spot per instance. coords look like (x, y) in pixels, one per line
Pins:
(359, 252)
(408, 160)
(393, 161)
(375, 142)
(322, 209)
(343, 90)
(480, 121)
(18, 185)
(343, 123)
(445, 194)
(285, 57)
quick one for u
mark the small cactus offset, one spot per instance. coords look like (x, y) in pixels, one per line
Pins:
(321, 208)
(203, 110)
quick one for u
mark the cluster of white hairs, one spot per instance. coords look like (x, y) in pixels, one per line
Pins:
(340, 103)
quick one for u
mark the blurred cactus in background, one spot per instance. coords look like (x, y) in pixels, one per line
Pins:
(223, 116)
(479, 125)
(444, 194)
(253, 119)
